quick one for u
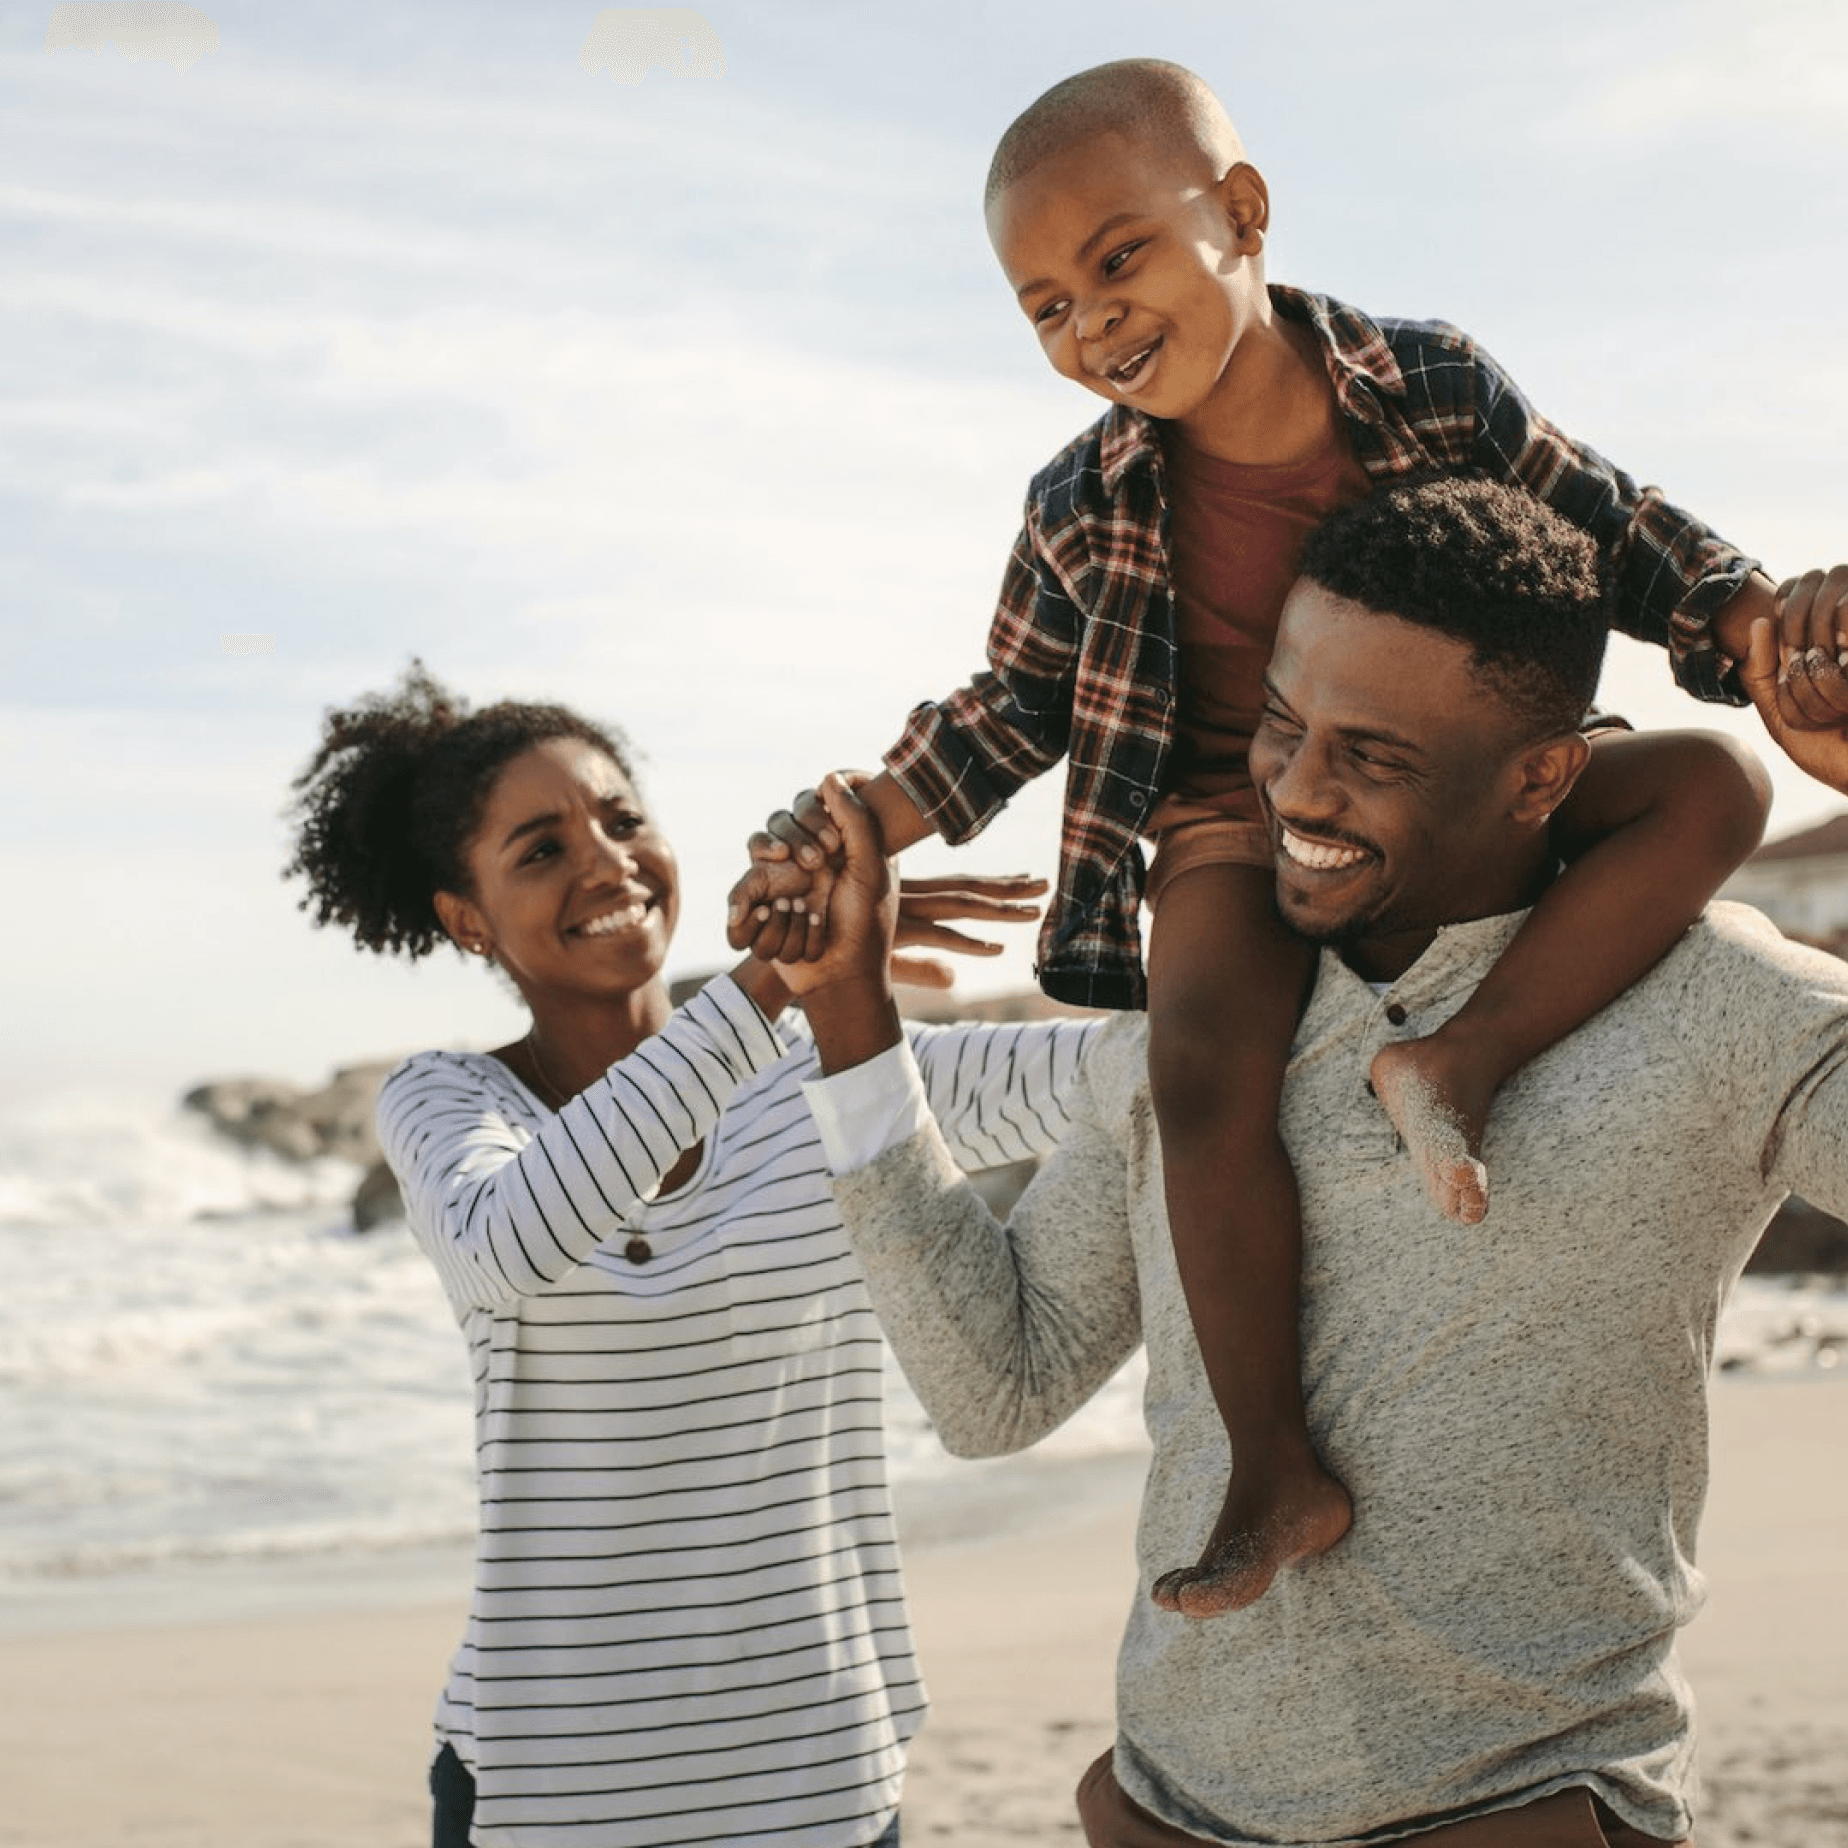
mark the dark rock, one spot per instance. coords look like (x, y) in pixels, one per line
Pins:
(377, 1200)
(301, 1124)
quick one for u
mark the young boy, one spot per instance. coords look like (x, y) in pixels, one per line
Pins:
(1135, 622)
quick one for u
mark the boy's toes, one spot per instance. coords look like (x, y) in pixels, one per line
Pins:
(1166, 1591)
(1462, 1192)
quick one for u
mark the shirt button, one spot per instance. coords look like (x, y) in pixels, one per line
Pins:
(1395, 1013)
(1136, 798)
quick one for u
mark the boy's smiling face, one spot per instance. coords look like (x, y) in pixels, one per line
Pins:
(1137, 269)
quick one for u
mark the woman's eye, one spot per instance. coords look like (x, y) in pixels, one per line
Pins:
(540, 850)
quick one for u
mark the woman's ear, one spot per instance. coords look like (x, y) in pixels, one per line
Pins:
(1548, 770)
(462, 918)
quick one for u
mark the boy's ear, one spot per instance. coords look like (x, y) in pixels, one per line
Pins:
(1245, 200)
(1546, 773)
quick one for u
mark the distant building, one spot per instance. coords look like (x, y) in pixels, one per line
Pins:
(1801, 884)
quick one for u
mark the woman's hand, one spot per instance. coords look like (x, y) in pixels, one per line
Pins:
(846, 990)
(925, 905)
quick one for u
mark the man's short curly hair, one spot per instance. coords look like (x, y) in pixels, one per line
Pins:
(385, 810)
(1490, 566)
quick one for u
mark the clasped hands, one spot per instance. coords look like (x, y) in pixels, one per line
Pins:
(1795, 667)
(822, 899)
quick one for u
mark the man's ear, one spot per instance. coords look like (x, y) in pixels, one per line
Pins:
(1546, 773)
(462, 918)
(1245, 200)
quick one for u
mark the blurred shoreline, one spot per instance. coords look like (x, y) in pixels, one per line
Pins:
(293, 1707)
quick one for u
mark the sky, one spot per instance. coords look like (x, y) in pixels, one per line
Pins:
(370, 331)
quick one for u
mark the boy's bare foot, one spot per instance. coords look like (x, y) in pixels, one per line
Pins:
(1440, 1109)
(1258, 1533)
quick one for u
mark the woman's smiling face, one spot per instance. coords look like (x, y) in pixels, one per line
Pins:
(575, 890)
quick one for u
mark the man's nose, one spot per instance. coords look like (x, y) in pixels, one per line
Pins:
(1300, 785)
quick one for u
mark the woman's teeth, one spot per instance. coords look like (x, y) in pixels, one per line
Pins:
(611, 921)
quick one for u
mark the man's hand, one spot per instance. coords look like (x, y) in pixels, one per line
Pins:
(1821, 750)
(790, 931)
(796, 854)
(1811, 688)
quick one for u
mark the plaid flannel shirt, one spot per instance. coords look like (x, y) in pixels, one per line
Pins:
(1082, 657)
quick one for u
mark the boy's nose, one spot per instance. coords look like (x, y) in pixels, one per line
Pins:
(1095, 319)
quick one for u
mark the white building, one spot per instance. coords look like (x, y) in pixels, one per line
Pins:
(1801, 883)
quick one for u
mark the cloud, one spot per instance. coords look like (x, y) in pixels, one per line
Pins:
(630, 41)
(141, 29)
(1781, 66)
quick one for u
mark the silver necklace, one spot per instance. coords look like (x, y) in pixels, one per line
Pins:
(637, 1250)
(560, 1097)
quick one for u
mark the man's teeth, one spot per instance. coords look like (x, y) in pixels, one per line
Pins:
(1318, 858)
(614, 920)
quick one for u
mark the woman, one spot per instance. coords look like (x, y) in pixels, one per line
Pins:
(687, 1622)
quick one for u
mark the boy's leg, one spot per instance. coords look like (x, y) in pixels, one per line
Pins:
(1652, 829)
(1226, 981)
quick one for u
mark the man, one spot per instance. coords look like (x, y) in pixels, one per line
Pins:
(1488, 1657)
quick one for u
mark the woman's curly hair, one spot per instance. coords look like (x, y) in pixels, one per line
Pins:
(385, 810)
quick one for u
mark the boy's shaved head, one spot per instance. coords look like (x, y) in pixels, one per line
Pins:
(1163, 105)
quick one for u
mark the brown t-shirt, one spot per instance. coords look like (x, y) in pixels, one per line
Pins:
(1235, 533)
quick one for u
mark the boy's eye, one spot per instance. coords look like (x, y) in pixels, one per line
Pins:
(1049, 312)
(1117, 258)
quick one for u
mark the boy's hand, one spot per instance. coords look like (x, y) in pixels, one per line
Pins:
(1810, 690)
(862, 931)
(801, 836)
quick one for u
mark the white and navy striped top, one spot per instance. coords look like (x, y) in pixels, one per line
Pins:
(688, 1624)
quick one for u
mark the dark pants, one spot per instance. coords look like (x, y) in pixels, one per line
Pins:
(1568, 1819)
(452, 1796)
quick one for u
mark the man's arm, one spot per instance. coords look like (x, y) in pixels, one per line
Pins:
(1003, 1331)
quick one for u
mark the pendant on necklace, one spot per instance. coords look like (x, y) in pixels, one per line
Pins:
(638, 1250)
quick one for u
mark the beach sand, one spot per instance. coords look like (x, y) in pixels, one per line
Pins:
(308, 1727)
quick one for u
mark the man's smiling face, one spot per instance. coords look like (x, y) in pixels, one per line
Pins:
(1392, 780)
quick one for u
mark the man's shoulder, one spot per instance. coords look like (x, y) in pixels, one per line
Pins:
(1729, 929)
(1734, 960)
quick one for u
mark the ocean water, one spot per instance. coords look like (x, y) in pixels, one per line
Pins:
(201, 1364)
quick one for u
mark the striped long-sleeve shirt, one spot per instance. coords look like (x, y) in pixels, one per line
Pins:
(688, 1624)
